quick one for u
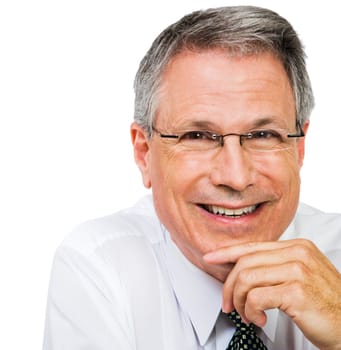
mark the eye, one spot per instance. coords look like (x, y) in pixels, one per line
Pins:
(198, 135)
(264, 140)
(263, 135)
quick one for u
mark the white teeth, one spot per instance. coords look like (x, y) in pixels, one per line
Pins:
(231, 212)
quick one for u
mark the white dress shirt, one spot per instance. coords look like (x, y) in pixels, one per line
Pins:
(120, 283)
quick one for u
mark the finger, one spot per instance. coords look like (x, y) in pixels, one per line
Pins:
(301, 302)
(261, 299)
(231, 254)
(263, 276)
(262, 268)
(289, 297)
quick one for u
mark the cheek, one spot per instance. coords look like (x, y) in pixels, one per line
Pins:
(282, 171)
(175, 172)
(175, 179)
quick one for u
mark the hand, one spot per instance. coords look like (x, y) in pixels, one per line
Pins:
(293, 276)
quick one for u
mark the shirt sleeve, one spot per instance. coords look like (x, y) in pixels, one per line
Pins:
(86, 309)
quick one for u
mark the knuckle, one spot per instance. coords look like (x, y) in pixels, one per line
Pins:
(253, 298)
(302, 251)
(298, 269)
(297, 289)
(243, 262)
(246, 277)
(306, 243)
(243, 276)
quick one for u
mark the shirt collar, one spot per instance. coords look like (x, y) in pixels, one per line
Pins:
(198, 293)
(204, 306)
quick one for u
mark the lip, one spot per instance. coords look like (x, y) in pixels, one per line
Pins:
(231, 212)
(247, 215)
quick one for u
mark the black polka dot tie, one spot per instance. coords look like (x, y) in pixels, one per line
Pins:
(245, 336)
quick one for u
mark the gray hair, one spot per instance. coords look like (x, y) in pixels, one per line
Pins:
(241, 30)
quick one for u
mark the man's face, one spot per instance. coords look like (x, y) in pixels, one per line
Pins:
(212, 91)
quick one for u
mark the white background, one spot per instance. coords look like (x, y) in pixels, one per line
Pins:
(66, 103)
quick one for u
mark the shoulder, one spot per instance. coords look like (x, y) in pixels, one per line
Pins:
(324, 229)
(106, 253)
(136, 223)
(312, 218)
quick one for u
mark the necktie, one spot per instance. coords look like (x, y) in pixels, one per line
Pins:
(245, 336)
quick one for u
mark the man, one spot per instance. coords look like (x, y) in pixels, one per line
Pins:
(221, 256)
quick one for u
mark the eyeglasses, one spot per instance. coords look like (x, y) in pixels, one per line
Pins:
(255, 140)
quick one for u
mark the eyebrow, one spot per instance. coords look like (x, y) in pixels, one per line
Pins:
(257, 123)
(203, 124)
(265, 121)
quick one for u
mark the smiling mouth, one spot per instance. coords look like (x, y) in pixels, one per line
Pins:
(232, 213)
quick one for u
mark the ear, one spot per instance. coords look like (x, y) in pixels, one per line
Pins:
(301, 144)
(141, 146)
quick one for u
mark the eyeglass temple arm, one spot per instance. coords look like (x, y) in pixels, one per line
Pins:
(165, 135)
(169, 136)
(300, 131)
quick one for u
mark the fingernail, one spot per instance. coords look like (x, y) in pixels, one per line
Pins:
(227, 308)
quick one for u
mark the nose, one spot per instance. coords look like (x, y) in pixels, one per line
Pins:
(231, 166)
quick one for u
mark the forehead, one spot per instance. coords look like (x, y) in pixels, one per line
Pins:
(214, 87)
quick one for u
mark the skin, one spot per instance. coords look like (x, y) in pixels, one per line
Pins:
(212, 91)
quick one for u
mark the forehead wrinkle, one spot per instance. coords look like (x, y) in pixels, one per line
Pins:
(200, 124)
(245, 124)
(267, 121)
